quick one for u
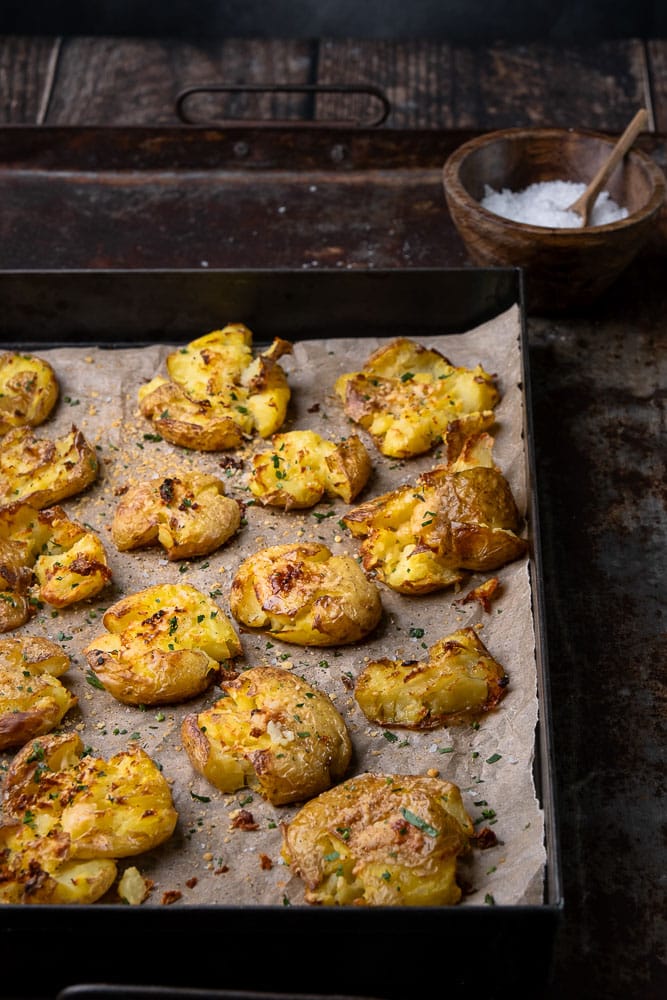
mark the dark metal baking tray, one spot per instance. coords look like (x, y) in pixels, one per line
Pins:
(238, 196)
(375, 952)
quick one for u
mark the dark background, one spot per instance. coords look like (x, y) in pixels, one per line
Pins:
(465, 21)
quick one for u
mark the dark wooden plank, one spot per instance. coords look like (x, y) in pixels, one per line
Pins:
(429, 84)
(26, 67)
(657, 75)
(132, 81)
(437, 85)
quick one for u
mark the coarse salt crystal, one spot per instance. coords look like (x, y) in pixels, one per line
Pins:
(546, 204)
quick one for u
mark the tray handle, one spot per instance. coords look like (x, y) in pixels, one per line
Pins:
(313, 90)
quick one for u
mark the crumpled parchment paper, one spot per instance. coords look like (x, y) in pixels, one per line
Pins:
(207, 860)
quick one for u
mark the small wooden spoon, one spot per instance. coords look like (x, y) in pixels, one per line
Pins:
(584, 204)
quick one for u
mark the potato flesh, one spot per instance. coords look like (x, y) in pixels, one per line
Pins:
(410, 398)
(380, 839)
(217, 393)
(305, 595)
(187, 514)
(43, 550)
(272, 732)
(107, 808)
(163, 645)
(32, 699)
(43, 472)
(37, 869)
(455, 518)
(459, 681)
(28, 391)
(73, 566)
(71, 816)
(302, 467)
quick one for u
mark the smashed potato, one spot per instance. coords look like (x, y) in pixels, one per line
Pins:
(163, 645)
(63, 561)
(85, 812)
(380, 840)
(460, 680)
(410, 398)
(28, 391)
(217, 393)
(32, 699)
(16, 578)
(43, 472)
(271, 732)
(302, 467)
(303, 593)
(39, 869)
(423, 537)
(187, 514)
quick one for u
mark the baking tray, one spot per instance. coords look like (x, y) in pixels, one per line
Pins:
(204, 196)
(373, 952)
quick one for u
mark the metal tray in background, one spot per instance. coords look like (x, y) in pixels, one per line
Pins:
(373, 952)
(229, 197)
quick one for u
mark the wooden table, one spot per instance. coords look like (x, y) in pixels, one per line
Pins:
(599, 389)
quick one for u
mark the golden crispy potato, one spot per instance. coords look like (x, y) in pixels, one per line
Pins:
(271, 732)
(81, 813)
(409, 398)
(114, 808)
(43, 472)
(188, 514)
(302, 467)
(217, 393)
(422, 537)
(380, 840)
(28, 391)
(304, 594)
(163, 645)
(66, 561)
(15, 581)
(72, 566)
(32, 699)
(459, 681)
(39, 869)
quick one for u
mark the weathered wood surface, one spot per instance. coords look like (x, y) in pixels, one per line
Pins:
(598, 398)
(132, 81)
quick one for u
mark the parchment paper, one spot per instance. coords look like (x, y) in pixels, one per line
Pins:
(206, 860)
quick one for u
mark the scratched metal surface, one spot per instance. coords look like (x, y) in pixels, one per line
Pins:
(599, 408)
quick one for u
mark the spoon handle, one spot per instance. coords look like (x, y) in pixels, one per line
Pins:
(585, 202)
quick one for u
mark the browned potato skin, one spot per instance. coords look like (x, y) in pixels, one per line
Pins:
(134, 661)
(456, 517)
(32, 700)
(380, 839)
(74, 565)
(459, 682)
(28, 391)
(302, 593)
(188, 514)
(302, 467)
(410, 398)
(189, 422)
(250, 737)
(217, 393)
(43, 472)
(15, 580)
(39, 869)
(109, 808)
(44, 551)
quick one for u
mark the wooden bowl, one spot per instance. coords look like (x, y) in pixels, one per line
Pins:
(563, 268)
